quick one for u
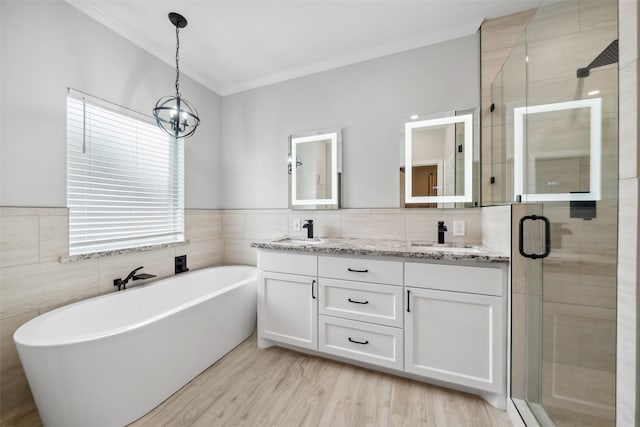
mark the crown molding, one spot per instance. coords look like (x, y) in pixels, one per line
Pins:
(459, 31)
(91, 9)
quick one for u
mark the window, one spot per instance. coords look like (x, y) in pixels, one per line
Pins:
(125, 179)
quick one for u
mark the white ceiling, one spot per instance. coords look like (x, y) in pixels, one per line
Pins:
(235, 45)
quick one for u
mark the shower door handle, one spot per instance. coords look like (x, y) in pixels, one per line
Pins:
(547, 236)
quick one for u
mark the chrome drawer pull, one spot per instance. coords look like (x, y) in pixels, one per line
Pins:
(357, 271)
(358, 302)
(358, 342)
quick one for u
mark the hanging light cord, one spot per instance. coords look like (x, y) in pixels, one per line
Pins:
(174, 115)
(177, 61)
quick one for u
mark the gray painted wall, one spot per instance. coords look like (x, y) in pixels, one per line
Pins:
(370, 101)
(237, 159)
(48, 46)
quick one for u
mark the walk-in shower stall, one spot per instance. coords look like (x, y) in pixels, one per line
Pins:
(554, 138)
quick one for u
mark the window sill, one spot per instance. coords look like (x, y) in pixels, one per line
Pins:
(93, 255)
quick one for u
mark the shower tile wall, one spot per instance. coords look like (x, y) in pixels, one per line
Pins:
(34, 281)
(496, 228)
(564, 33)
(579, 287)
(628, 345)
(498, 38)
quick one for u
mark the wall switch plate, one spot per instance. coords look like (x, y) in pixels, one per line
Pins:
(458, 228)
(296, 224)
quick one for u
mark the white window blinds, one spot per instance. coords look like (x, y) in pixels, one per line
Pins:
(125, 180)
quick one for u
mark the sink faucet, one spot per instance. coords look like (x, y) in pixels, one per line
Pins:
(122, 284)
(309, 226)
(441, 229)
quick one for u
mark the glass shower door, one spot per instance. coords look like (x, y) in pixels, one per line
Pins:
(565, 169)
(563, 344)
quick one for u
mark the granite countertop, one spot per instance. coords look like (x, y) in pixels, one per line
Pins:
(380, 247)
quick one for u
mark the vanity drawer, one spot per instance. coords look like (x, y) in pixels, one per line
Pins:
(290, 263)
(368, 302)
(474, 280)
(362, 270)
(375, 344)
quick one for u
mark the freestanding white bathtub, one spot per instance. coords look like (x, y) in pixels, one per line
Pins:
(109, 360)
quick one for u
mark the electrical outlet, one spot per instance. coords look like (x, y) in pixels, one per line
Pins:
(296, 224)
(458, 228)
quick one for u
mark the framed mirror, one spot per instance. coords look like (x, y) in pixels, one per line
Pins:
(315, 168)
(438, 167)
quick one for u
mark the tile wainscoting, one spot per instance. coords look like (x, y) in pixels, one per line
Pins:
(33, 281)
(241, 227)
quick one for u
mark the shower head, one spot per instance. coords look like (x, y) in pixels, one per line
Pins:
(608, 56)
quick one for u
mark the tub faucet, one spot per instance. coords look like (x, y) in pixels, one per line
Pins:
(122, 284)
(441, 229)
(309, 226)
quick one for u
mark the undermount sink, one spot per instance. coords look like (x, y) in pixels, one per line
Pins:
(300, 241)
(448, 247)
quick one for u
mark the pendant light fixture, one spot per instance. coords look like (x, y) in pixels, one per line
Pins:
(174, 114)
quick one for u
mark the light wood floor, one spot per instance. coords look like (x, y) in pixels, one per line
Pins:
(278, 387)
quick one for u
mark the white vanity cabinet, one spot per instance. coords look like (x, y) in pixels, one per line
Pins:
(443, 322)
(455, 324)
(288, 303)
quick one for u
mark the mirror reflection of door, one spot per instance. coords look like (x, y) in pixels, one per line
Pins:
(425, 183)
(433, 149)
(425, 180)
(438, 156)
(314, 174)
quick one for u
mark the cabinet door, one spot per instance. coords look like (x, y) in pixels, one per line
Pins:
(288, 309)
(455, 337)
